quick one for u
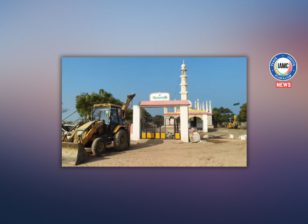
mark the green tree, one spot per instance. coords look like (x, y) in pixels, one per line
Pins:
(85, 102)
(158, 120)
(146, 117)
(129, 115)
(221, 116)
(243, 113)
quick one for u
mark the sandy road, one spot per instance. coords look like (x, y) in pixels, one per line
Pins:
(172, 153)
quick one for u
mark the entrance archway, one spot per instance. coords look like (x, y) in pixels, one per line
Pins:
(196, 122)
(183, 124)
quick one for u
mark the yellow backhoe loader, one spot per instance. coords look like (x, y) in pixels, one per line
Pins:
(234, 124)
(106, 127)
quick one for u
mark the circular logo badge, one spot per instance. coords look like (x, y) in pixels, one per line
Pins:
(283, 66)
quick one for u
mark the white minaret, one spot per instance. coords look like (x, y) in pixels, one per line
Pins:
(210, 106)
(206, 106)
(184, 93)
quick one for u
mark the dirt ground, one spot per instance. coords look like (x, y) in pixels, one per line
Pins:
(216, 149)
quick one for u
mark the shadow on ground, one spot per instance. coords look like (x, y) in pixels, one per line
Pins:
(113, 151)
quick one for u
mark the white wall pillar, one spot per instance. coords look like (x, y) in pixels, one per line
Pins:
(210, 120)
(205, 123)
(136, 123)
(184, 123)
(166, 120)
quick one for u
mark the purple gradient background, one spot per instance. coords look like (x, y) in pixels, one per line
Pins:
(35, 34)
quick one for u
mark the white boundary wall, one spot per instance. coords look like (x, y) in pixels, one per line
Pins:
(184, 123)
(205, 123)
(136, 123)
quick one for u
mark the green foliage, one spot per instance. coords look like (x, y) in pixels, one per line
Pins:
(146, 117)
(158, 120)
(129, 116)
(243, 113)
(85, 102)
(221, 116)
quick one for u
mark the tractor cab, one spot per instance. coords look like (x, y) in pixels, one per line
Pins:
(109, 114)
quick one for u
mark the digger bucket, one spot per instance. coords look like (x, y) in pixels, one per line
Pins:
(73, 154)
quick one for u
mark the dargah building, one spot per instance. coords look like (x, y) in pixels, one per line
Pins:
(179, 115)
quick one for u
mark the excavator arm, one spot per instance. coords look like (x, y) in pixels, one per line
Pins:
(125, 106)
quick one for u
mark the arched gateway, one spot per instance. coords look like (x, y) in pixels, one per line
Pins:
(183, 114)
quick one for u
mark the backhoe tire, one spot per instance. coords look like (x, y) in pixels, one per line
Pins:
(121, 140)
(98, 147)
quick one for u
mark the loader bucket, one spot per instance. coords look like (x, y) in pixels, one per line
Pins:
(73, 154)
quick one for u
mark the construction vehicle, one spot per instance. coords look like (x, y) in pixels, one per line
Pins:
(233, 124)
(106, 127)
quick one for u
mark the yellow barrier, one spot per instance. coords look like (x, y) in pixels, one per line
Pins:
(163, 135)
(177, 136)
(143, 135)
(150, 135)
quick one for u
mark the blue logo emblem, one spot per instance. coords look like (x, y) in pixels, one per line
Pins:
(283, 66)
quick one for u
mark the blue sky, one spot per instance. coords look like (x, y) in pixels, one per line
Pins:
(222, 80)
